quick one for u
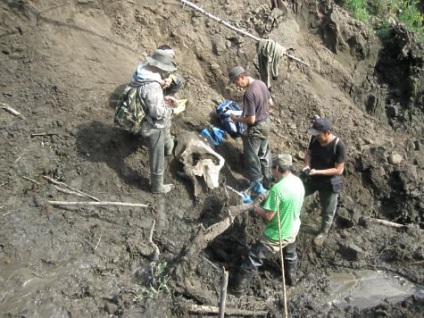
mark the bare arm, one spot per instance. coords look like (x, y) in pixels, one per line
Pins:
(265, 214)
(307, 161)
(337, 170)
(249, 120)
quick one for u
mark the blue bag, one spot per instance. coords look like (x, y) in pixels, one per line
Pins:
(223, 110)
(214, 134)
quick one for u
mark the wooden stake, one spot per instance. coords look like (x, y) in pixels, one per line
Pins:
(223, 297)
(103, 203)
(282, 266)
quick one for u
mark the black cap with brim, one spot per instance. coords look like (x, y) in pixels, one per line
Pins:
(319, 126)
(314, 132)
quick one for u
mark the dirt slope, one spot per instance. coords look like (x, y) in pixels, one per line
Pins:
(63, 65)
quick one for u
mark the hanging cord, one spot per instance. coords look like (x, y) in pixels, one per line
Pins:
(282, 265)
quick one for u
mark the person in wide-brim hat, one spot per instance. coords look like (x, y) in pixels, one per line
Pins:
(162, 61)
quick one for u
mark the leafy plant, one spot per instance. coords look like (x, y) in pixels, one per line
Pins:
(359, 9)
(387, 12)
(157, 282)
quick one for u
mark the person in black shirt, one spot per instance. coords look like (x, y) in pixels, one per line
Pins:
(324, 164)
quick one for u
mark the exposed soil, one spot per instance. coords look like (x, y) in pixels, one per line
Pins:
(63, 65)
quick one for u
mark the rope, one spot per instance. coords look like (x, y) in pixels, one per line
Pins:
(185, 2)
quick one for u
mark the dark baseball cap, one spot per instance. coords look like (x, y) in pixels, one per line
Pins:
(319, 126)
(235, 71)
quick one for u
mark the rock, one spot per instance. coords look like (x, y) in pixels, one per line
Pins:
(351, 251)
(110, 308)
(344, 219)
(395, 158)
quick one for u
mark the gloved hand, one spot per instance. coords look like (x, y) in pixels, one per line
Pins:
(180, 106)
(246, 198)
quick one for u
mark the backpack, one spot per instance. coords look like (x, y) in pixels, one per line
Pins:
(334, 146)
(223, 110)
(131, 109)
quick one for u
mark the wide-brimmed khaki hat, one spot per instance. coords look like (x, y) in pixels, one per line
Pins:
(161, 60)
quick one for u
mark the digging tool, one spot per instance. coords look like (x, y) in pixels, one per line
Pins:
(243, 195)
(236, 29)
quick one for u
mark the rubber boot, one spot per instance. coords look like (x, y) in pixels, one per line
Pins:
(290, 268)
(157, 185)
(240, 283)
(322, 235)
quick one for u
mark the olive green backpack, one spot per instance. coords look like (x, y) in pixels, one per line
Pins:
(131, 109)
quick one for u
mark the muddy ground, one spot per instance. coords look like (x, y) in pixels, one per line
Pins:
(62, 66)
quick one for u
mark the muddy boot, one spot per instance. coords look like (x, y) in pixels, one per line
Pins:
(290, 268)
(240, 283)
(321, 236)
(157, 185)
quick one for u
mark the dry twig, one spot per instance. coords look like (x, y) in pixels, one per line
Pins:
(69, 187)
(11, 110)
(98, 242)
(29, 179)
(155, 247)
(201, 309)
(387, 223)
(44, 134)
(103, 203)
(69, 191)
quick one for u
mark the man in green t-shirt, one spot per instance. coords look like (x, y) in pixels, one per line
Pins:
(281, 213)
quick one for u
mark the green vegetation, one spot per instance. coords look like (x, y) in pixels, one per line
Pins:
(158, 282)
(382, 13)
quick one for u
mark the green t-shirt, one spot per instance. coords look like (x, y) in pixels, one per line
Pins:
(286, 197)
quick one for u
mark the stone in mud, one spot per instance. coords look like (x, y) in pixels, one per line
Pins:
(351, 251)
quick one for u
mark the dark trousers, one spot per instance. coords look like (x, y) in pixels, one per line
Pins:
(328, 201)
(255, 259)
(258, 253)
(257, 153)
